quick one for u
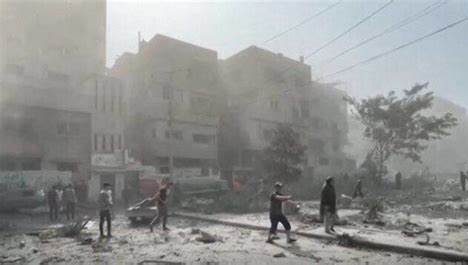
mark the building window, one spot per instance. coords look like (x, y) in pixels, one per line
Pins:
(274, 104)
(174, 134)
(67, 166)
(56, 76)
(14, 69)
(317, 145)
(96, 90)
(96, 146)
(112, 142)
(31, 164)
(103, 143)
(68, 128)
(305, 112)
(268, 134)
(318, 123)
(295, 113)
(203, 138)
(200, 105)
(323, 161)
(164, 170)
(166, 92)
(120, 142)
(104, 98)
(120, 100)
(112, 99)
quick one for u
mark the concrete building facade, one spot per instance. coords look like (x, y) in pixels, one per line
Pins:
(52, 57)
(174, 91)
(267, 89)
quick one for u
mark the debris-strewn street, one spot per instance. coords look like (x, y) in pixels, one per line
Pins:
(191, 241)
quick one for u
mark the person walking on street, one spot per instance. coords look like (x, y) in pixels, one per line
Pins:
(69, 199)
(358, 190)
(276, 214)
(463, 180)
(161, 202)
(398, 181)
(328, 205)
(105, 206)
(53, 202)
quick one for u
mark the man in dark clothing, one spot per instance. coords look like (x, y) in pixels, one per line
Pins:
(105, 205)
(161, 201)
(69, 199)
(358, 190)
(463, 180)
(328, 205)
(53, 202)
(398, 181)
(276, 214)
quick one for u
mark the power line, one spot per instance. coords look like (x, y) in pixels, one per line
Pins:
(303, 22)
(410, 19)
(350, 29)
(380, 55)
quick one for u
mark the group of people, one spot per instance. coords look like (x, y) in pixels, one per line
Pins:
(327, 209)
(61, 197)
(106, 204)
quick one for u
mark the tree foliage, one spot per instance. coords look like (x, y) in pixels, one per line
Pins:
(400, 125)
(284, 155)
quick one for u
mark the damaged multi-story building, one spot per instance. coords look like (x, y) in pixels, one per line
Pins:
(59, 108)
(266, 89)
(175, 95)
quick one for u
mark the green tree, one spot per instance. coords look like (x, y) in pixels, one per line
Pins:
(284, 155)
(400, 125)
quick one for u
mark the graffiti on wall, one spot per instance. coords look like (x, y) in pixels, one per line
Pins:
(34, 179)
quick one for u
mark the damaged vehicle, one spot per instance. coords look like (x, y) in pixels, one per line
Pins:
(142, 212)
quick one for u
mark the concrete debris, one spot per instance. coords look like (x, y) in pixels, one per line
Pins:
(160, 262)
(206, 238)
(22, 244)
(194, 231)
(279, 255)
(86, 240)
(52, 260)
(427, 242)
(412, 229)
(10, 260)
(100, 247)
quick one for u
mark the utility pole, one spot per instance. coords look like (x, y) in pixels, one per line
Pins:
(171, 135)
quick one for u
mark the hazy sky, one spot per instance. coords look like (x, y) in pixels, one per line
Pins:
(229, 27)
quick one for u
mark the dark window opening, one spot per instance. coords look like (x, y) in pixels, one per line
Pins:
(323, 161)
(14, 69)
(166, 92)
(203, 138)
(164, 170)
(174, 135)
(67, 166)
(112, 142)
(96, 146)
(56, 76)
(103, 143)
(31, 164)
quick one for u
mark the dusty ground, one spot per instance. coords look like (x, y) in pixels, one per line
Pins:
(131, 245)
(134, 245)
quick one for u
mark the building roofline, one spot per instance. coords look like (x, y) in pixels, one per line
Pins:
(159, 36)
